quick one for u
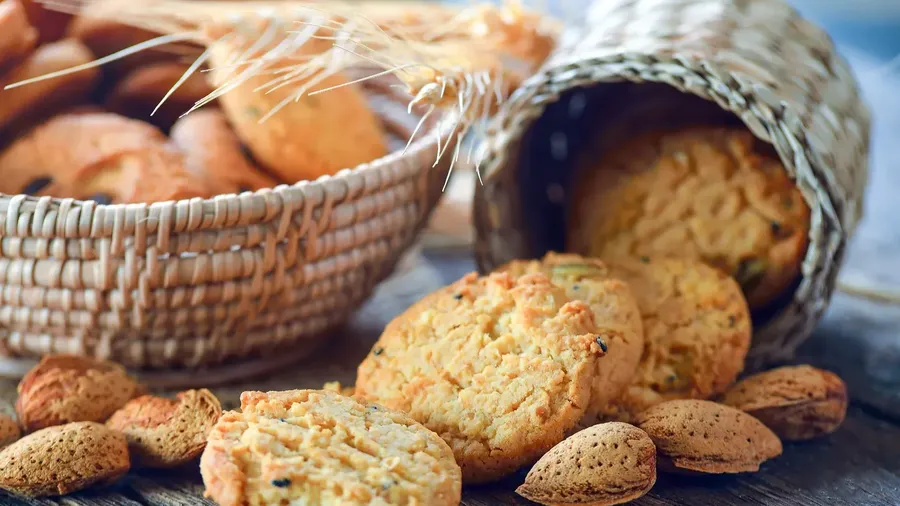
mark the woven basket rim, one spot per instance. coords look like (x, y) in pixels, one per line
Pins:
(286, 190)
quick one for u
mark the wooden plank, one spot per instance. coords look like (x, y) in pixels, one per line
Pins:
(182, 488)
(858, 465)
(860, 341)
(97, 497)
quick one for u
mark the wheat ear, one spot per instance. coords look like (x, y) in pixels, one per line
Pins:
(452, 61)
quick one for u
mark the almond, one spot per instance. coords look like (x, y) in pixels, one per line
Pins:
(705, 437)
(68, 388)
(9, 430)
(609, 463)
(165, 432)
(64, 459)
(796, 402)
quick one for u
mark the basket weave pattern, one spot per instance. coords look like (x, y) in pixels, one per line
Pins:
(757, 59)
(197, 282)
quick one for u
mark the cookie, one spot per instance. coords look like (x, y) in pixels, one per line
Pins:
(696, 436)
(797, 402)
(17, 36)
(697, 331)
(51, 24)
(317, 447)
(338, 388)
(712, 194)
(69, 388)
(140, 92)
(314, 136)
(97, 156)
(615, 314)
(166, 433)
(501, 367)
(609, 463)
(27, 103)
(64, 459)
(213, 153)
(99, 31)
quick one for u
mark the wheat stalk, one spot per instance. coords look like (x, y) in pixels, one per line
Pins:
(461, 62)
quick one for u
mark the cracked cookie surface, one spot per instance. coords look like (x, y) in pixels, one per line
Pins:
(696, 331)
(499, 366)
(318, 447)
(616, 316)
(713, 194)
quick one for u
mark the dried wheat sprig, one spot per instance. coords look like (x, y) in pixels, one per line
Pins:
(451, 60)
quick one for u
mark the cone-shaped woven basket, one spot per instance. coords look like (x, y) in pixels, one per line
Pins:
(201, 282)
(751, 61)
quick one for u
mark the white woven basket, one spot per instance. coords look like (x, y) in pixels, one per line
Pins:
(200, 282)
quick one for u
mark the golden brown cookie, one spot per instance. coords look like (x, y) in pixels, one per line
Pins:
(17, 36)
(797, 402)
(501, 367)
(317, 447)
(29, 102)
(213, 153)
(315, 136)
(697, 331)
(139, 93)
(51, 24)
(338, 388)
(697, 436)
(97, 156)
(104, 36)
(616, 316)
(713, 194)
(165, 433)
(609, 463)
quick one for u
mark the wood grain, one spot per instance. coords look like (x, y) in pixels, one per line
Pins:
(858, 465)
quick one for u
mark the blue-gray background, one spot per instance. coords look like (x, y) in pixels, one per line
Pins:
(872, 26)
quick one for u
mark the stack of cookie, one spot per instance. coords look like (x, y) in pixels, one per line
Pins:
(95, 135)
(595, 374)
(710, 193)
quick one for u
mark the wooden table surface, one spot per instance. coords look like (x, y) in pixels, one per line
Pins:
(858, 465)
(858, 338)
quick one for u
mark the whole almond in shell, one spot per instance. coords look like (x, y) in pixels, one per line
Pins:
(64, 459)
(706, 437)
(68, 388)
(166, 432)
(796, 402)
(609, 463)
(9, 430)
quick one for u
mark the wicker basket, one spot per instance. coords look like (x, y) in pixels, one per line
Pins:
(198, 282)
(753, 61)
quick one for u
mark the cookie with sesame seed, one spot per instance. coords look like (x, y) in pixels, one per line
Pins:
(500, 366)
(319, 447)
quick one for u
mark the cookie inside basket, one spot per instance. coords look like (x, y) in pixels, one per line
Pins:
(643, 169)
(105, 134)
